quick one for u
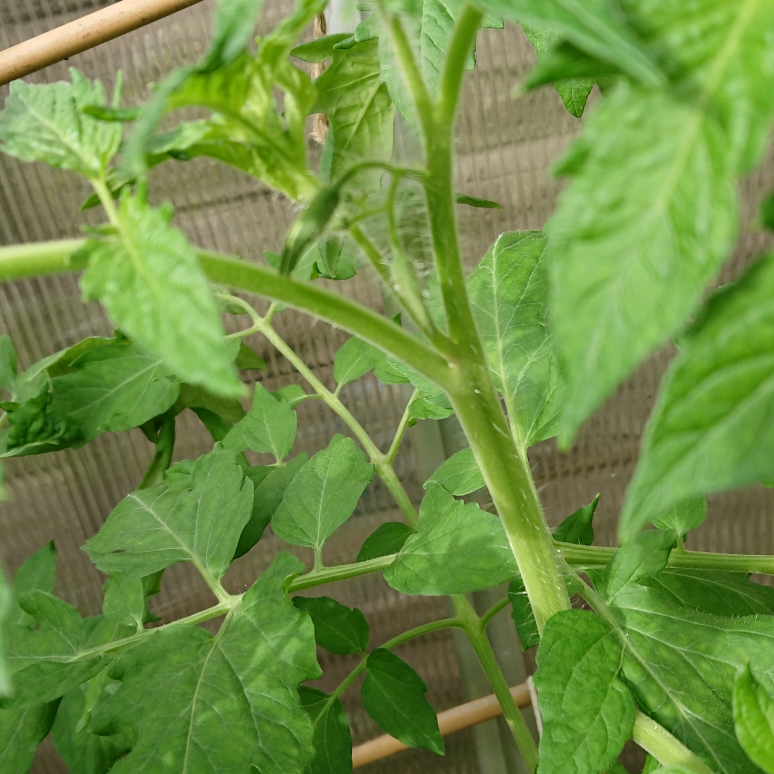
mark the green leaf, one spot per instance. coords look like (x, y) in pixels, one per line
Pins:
(332, 737)
(194, 397)
(646, 556)
(711, 427)
(754, 720)
(459, 548)
(196, 516)
(149, 280)
(587, 712)
(114, 387)
(684, 516)
(7, 364)
(125, 600)
(83, 751)
(358, 106)
(475, 201)
(355, 359)
(394, 696)
(577, 527)
(36, 574)
(39, 426)
(224, 703)
(386, 539)
(573, 91)
(627, 276)
(523, 615)
(248, 360)
(269, 489)
(270, 426)
(430, 406)
(292, 394)
(323, 494)
(45, 123)
(509, 295)
(595, 26)
(336, 628)
(320, 49)
(234, 24)
(459, 475)
(21, 731)
(51, 660)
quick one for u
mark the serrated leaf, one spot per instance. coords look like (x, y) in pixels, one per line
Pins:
(51, 660)
(573, 91)
(267, 496)
(249, 360)
(234, 24)
(336, 628)
(509, 295)
(81, 750)
(386, 539)
(332, 737)
(754, 720)
(292, 394)
(646, 556)
(45, 123)
(577, 527)
(459, 475)
(270, 426)
(323, 494)
(114, 387)
(596, 27)
(225, 703)
(355, 359)
(523, 615)
(358, 106)
(459, 548)
(684, 516)
(125, 600)
(394, 696)
(36, 574)
(195, 516)
(21, 731)
(150, 281)
(710, 429)
(579, 660)
(627, 276)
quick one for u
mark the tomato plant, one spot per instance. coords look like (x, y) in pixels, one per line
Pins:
(673, 647)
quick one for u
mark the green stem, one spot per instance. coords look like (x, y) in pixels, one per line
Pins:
(341, 572)
(474, 629)
(667, 750)
(493, 611)
(372, 253)
(401, 430)
(106, 199)
(32, 260)
(163, 456)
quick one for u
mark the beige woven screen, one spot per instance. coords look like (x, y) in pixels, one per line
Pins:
(506, 148)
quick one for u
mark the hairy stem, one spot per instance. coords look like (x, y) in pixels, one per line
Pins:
(474, 629)
(401, 430)
(667, 750)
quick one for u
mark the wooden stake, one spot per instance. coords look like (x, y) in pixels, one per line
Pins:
(455, 719)
(84, 33)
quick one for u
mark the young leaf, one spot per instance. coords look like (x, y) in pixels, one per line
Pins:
(509, 295)
(596, 27)
(7, 364)
(114, 387)
(292, 394)
(459, 548)
(196, 516)
(523, 615)
(394, 696)
(248, 359)
(81, 750)
(267, 496)
(579, 660)
(433, 405)
(684, 516)
(332, 737)
(459, 475)
(754, 720)
(355, 359)
(225, 703)
(386, 539)
(125, 600)
(270, 426)
(646, 556)
(358, 107)
(711, 427)
(577, 527)
(149, 279)
(21, 731)
(323, 494)
(336, 628)
(234, 25)
(475, 201)
(45, 123)
(36, 574)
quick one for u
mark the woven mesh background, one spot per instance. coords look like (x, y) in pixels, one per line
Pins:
(506, 148)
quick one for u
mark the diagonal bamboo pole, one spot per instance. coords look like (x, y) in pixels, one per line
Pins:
(84, 33)
(455, 719)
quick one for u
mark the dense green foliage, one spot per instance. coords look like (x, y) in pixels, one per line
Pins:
(674, 648)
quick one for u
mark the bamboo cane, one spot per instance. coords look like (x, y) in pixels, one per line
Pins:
(84, 33)
(455, 719)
